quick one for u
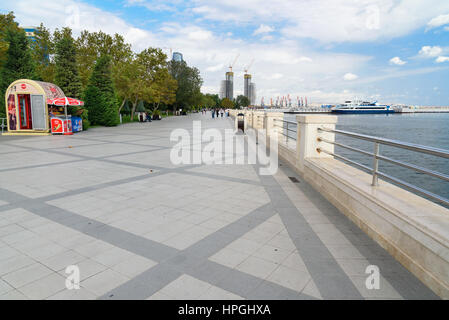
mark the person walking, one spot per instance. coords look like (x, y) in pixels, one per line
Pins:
(216, 111)
(221, 112)
(213, 113)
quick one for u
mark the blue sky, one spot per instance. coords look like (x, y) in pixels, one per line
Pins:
(394, 51)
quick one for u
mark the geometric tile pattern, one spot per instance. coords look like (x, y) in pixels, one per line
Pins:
(139, 227)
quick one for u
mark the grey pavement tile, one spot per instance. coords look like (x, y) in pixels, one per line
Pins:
(133, 266)
(186, 288)
(112, 257)
(26, 275)
(290, 278)
(4, 287)
(74, 294)
(6, 252)
(257, 267)
(62, 260)
(104, 281)
(44, 287)
(14, 263)
(13, 295)
(229, 257)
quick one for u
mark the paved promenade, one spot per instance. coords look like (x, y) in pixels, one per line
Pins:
(138, 227)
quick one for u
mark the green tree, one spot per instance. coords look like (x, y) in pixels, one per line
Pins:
(66, 69)
(241, 101)
(100, 98)
(6, 23)
(144, 76)
(189, 81)
(227, 103)
(92, 45)
(42, 49)
(18, 63)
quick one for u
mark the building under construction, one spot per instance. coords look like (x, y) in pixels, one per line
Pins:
(249, 89)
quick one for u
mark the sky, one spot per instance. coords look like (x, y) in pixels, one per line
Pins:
(392, 51)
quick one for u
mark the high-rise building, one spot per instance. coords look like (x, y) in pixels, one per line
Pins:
(177, 56)
(249, 89)
(222, 93)
(252, 95)
(229, 92)
(30, 33)
(247, 86)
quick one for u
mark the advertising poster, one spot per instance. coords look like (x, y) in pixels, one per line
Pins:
(12, 112)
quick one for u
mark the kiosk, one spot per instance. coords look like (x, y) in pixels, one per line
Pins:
(37, 108)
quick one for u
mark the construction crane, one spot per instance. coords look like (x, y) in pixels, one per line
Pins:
(171, 52)
(231, 65)
(249, 66)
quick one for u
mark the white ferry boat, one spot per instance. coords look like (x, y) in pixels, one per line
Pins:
(361, 107)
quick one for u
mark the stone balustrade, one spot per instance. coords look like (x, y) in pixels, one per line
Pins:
(412, 229)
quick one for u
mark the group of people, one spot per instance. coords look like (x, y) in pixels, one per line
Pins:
(216, 112)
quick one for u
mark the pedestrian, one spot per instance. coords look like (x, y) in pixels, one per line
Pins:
(216, 111)
(213, 113)
(221, 112)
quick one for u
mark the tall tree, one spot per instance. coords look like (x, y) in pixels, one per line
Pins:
(100, 97)
(6, 23)
(147, 68)
(42, 50)
(66, 70)
(227, 103)
(92, 45)
(165, 89)
(189, 81)
(241, 101)
(18, 63)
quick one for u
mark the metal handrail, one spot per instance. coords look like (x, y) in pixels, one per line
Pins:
(376, 157)
(404, 145)
(3, 125)
(287, 137)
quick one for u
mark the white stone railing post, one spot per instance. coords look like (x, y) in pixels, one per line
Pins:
(307, 140)
(270, 124)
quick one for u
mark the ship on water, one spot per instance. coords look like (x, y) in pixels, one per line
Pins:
(361, 107)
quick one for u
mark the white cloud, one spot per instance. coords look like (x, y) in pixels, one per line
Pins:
(430, 52)
(397, 61)
(284, 65)
(329, 21)
(439, 21)
(350, 77)
(266, 38)
(215, 68)
(442, 59)
(263, 29)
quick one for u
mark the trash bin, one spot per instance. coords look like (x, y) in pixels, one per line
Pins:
(241, 122)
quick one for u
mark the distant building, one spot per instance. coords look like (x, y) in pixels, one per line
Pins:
(249, 89)
(30, 32)
(229, 92)
(252, 96)
(177, 56)
(222, 94)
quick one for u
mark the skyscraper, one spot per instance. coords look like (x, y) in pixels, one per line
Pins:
(177, 56)
(252, 95)
(247, 86)
(229, 92)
